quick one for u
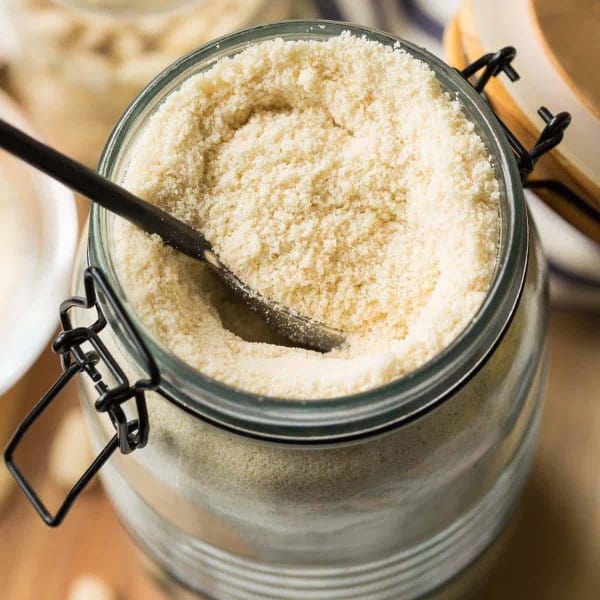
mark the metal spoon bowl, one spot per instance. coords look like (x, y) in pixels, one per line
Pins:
(300, 329)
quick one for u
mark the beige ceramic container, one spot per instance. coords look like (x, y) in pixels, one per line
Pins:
(478, 29)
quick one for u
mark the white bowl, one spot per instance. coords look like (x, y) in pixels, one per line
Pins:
(47, 242)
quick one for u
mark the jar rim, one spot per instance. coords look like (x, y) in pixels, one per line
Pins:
(375, 410)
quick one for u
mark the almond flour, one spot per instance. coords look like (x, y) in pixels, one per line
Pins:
(334, 177)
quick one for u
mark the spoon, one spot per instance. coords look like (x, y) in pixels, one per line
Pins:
(148, 217)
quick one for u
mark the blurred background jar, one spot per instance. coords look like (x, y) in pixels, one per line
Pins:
(75, 65)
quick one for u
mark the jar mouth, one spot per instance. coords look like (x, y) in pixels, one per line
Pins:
(377, 409)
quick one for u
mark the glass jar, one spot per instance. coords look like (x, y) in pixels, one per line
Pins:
(384, 494)
(77, 64)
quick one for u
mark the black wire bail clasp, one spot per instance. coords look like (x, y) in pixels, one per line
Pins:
(498, 62)
(492, 64)
(129, 433)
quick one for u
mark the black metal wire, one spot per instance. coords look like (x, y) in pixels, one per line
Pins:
(564, 191)
(492, 64)
(129, 434)
(498, 62)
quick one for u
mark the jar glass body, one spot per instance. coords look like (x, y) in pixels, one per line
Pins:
(76, 69)
(392, 516)
(235, 512)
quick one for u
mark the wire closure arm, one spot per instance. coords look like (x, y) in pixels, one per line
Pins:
(130, 434)
(586, 217)
(491, 65)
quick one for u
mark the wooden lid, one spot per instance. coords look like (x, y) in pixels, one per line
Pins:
(570, 31)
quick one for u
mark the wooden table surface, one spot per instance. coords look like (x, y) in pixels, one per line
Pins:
(553, 552)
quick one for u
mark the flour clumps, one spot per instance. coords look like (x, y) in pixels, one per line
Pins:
(336, 178)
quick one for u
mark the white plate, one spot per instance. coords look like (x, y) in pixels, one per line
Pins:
(47, 222)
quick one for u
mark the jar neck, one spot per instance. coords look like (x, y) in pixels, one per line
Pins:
(343, 418)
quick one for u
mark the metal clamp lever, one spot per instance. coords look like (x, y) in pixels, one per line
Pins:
(129, 434)
(582, 213)
(498, 62)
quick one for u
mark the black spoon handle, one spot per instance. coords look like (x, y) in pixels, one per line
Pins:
(87, 182)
